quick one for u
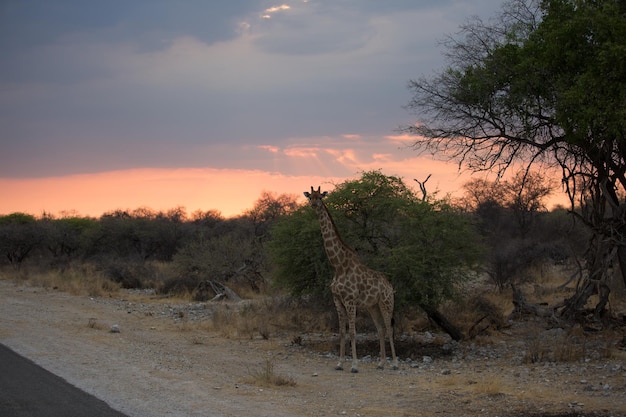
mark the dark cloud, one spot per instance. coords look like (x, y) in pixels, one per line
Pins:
(29, 23)
(90, 86)
(37, 37)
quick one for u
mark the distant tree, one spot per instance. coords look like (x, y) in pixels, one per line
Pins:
(142, 234)
(67, 238)
(207, 218)
(543, 83)
(218, 258)
(525, 195)
(481, 192)
(207, 223)
(267, 209)
(506, 211)
(20, 234)
(223, 251)
(486, 201)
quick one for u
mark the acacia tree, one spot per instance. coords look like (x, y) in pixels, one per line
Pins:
(542, 83)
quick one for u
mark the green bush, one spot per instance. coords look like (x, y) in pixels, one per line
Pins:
(424, 247)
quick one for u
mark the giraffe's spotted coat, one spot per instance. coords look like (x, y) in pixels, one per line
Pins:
(354, 286)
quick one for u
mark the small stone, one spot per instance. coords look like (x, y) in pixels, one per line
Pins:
(115, 328)
(315, 374)
(427, 359)
(446, 372)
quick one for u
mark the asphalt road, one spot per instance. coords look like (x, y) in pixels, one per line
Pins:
(28, 390)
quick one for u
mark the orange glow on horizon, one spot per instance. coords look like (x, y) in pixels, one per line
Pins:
(229, 191)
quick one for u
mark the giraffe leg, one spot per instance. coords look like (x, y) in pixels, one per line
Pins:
(380, 328)
(341, 313)
(351, 310)
(387, 317)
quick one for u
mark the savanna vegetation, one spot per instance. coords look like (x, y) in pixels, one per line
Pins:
(432, 249)
(539, 89)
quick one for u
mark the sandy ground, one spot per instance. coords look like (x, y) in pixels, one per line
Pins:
(157, 366)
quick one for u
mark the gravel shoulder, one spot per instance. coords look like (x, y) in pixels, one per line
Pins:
(162, 364)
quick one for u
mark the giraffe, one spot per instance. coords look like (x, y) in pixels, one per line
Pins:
(354, 286)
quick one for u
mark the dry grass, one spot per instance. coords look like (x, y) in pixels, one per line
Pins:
(233, 321)
(561, 349)
(481, 315)
(474, 384)
(497, 387)
(266, 376)
(266, 317)
(75, 281)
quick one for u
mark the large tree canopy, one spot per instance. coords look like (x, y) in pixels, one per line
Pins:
(544, 82)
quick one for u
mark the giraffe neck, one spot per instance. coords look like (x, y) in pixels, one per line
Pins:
(338, 252)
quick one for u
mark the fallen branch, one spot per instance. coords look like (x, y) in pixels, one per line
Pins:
(523, 307)
(220, 290)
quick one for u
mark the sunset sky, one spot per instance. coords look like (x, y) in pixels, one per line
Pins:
(124, 104)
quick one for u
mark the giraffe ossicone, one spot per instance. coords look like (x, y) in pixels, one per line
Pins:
(354, 286)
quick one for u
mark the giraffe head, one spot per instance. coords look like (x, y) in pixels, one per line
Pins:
(315, 197)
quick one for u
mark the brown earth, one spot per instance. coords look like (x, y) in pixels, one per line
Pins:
(167, 361)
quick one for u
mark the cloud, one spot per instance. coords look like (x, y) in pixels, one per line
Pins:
(313, 29)
(297, 152)
(269, 148)
(157, 84)
(270, 11)
(403, 139)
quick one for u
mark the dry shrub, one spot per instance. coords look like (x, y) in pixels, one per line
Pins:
(239, 320)
(94, 323)
(266, 376)
(269, 316)
(289, 314)
(223, 320)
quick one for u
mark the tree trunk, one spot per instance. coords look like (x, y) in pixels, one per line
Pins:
(600, 256)
(441, 321)
(621, 256)
(575, 303)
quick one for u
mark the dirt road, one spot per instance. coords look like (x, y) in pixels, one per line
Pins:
(157, 365)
